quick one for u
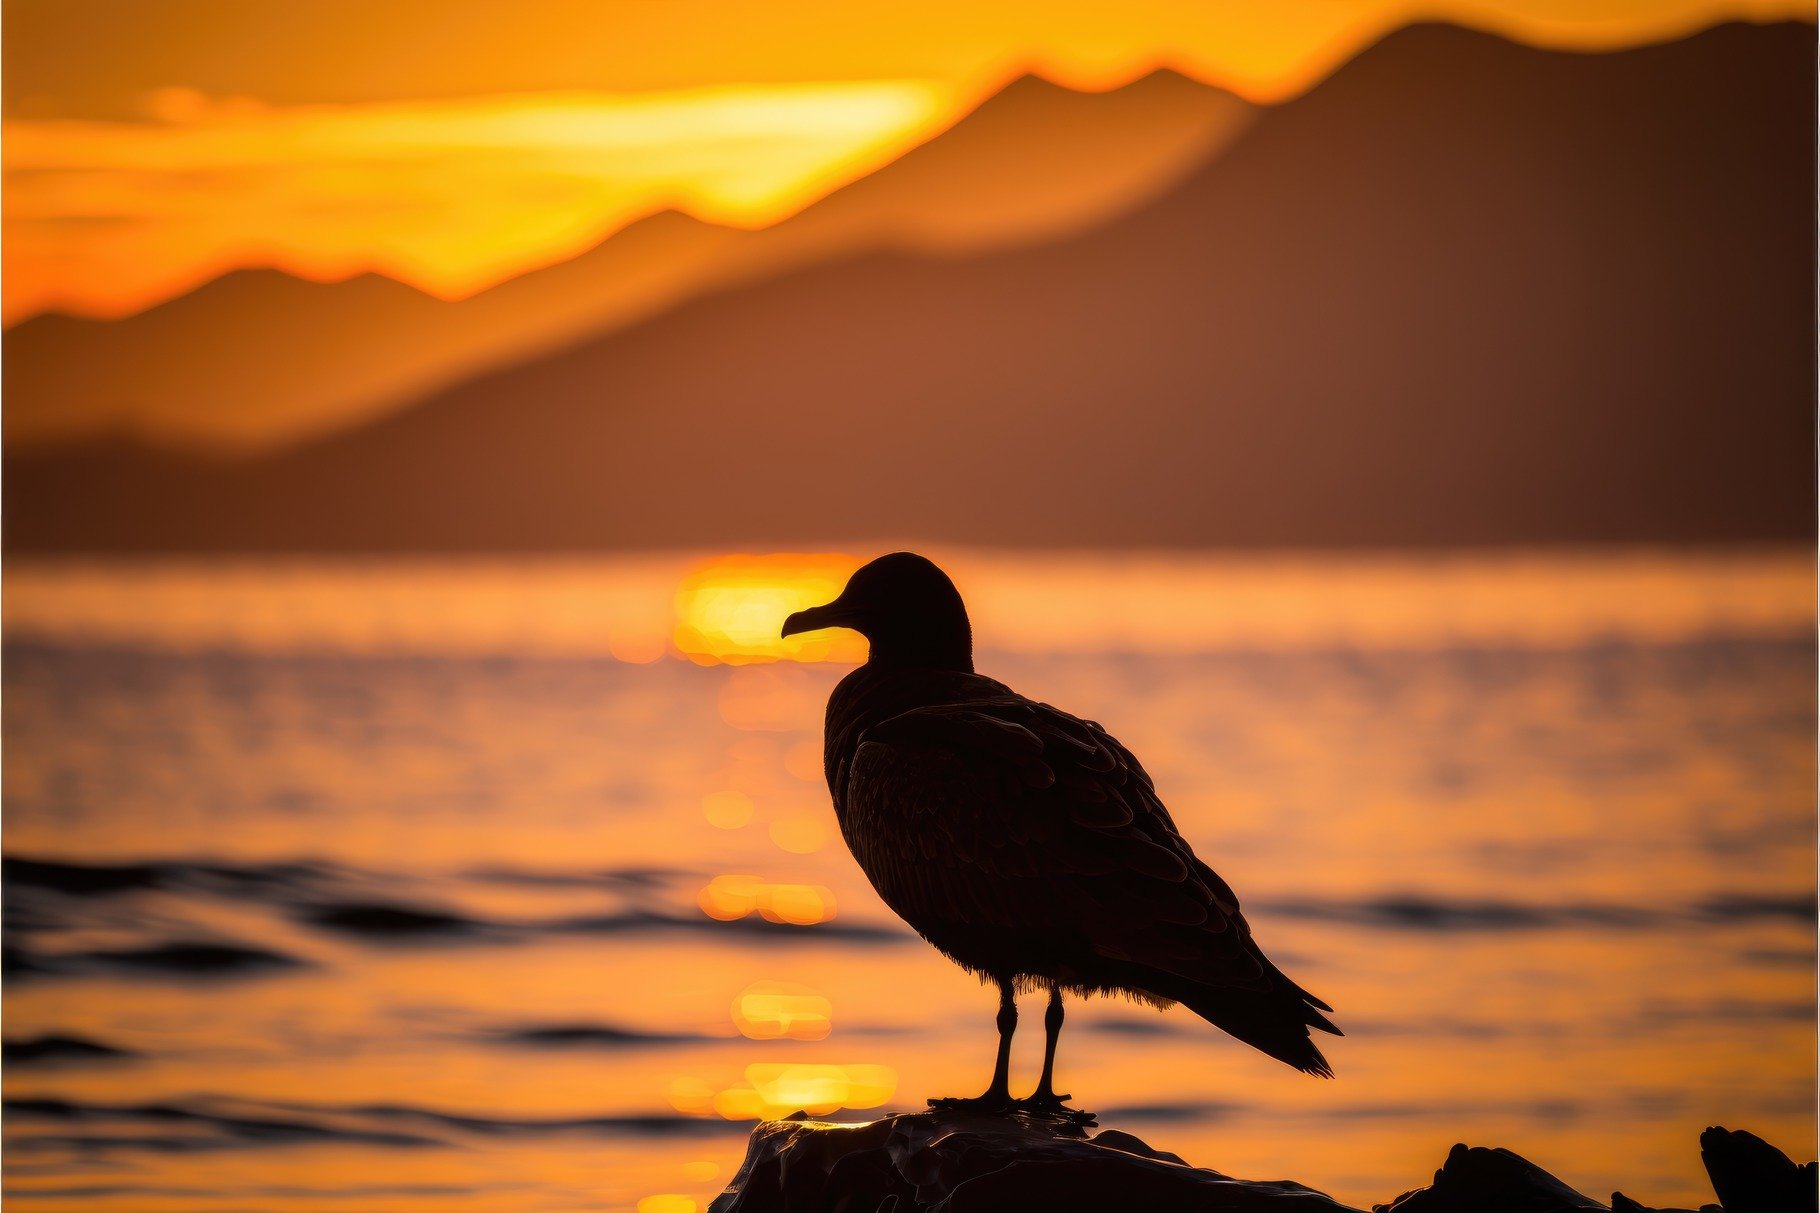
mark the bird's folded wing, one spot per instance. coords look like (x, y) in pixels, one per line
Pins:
(1028, 816)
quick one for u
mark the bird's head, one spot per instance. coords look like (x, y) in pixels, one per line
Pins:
(906, 607)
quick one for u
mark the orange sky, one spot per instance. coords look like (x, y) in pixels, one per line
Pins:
(450, 147)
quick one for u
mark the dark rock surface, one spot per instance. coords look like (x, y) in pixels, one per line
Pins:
(1751, 1176)
(957, 1162)
(1490, 1181)
(962, 1162)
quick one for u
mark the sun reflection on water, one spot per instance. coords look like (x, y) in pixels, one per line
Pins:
(667, 1203)
(773, 1010)
(776, 1089)
(732, 897)
(1332, 784)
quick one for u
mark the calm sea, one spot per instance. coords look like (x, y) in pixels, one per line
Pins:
(378, 887)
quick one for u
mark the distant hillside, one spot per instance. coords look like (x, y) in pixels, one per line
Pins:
(258, 358)
(1464, 292)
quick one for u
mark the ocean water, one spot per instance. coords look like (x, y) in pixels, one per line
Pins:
(388, 889)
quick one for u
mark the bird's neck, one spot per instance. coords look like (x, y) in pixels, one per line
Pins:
(948, 646)
(912, 660)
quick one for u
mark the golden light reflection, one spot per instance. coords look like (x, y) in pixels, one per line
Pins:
(667, 1203)
(820, 1089)
(736, 896)
(729, 611)
(740, 1103)
(779, 1010)
(1604, 1016)
(1088, 602)
(775, 1089)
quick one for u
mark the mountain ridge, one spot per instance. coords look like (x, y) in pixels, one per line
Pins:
(1020, 166)
(1549, 298)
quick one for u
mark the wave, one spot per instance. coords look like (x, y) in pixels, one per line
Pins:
(1419, 913)
(650, 1124)
(377, 920)
(44, 897)
(197, 1128)
(634, 878)
(52, 1049)
(100, 879)
(273, 1191)
(204, 1124)
(47, 898)
(589, 1035)
(174, 958)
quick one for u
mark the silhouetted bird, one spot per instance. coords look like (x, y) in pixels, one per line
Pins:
(1026, 844)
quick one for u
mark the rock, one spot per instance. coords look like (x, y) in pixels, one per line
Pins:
(950, 1161)
(1751, 1176)
(965, 1162)
(1480, 1180)
(1621, 1203)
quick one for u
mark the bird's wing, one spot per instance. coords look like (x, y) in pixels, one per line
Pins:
(1011, 813)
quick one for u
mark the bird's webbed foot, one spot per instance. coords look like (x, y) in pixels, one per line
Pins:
(992, 1103)
(1046, 1105)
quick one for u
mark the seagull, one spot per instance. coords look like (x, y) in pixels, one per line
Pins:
(1025, 844)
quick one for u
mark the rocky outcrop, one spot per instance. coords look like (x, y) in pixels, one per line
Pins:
(965, 1162)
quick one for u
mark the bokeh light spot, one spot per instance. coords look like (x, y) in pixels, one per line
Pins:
(820, 1089)
(797, 904)
(733, 897)
(774, 1010)
(667, 1203)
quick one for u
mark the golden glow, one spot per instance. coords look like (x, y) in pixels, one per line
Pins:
(775, 1089)
(105, 218)
(777, 1010)
(110, 210)
(1076, 603)
(667, 1204)
(733, 897)
(730, 610)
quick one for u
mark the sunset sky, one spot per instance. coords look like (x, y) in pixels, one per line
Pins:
(433, 144)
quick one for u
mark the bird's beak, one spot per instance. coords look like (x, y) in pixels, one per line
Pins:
(835, 614)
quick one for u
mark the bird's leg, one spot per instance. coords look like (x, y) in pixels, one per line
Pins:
(1044, 1100)
(1052, 1028)
(998, 1096)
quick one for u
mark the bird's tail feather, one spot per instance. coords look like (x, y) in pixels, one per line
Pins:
(1276, 1024)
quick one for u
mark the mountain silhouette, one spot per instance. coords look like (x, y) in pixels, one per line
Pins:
(1462, 292)
(258, 358)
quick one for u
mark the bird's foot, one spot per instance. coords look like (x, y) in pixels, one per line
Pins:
(992, 1103)
(1053, 1107)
